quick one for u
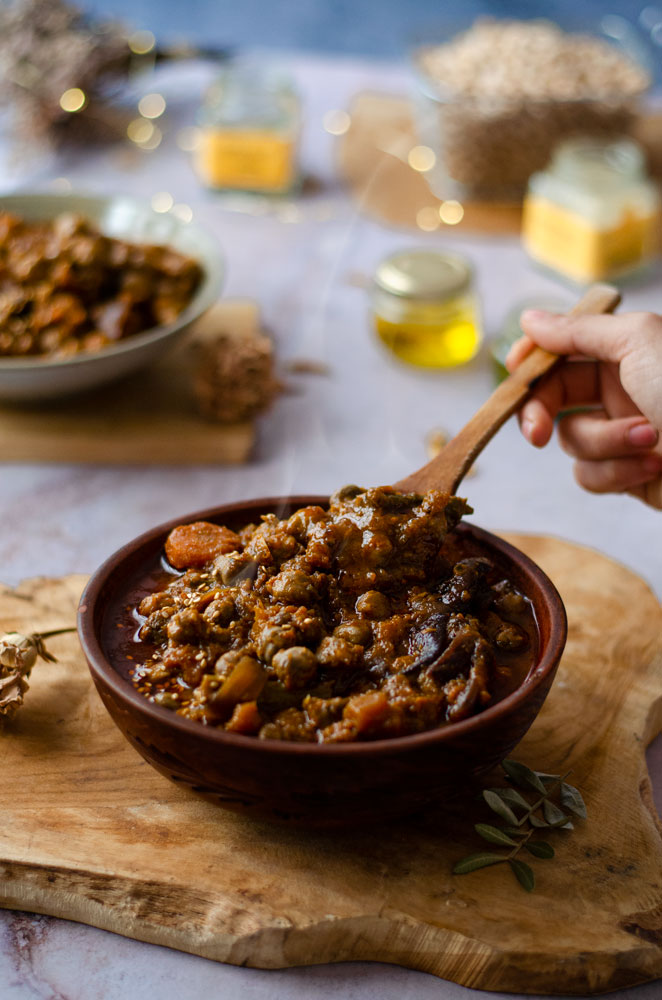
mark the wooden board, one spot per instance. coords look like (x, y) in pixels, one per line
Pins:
(147, 419)
(90, 832)
(372, 159)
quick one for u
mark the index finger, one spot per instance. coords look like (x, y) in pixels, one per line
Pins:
(603, 337)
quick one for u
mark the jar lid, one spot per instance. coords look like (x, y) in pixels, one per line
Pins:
(424, 274)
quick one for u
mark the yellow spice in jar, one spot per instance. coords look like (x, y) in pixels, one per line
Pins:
(249, 130)
(593, 214)
(247, 159)
(425, 310)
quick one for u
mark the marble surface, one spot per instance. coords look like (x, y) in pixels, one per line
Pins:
(366, 422)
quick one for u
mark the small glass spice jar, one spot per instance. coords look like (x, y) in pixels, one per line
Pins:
(593, 213)
(425, 309)
(249, 131)
(511, 330)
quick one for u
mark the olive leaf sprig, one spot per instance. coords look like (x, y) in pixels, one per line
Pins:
(522, 818)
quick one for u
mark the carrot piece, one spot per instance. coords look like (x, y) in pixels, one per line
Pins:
(245, 718)
(193, 545)
(368, 712)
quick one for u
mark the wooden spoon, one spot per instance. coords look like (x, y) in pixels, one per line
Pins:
(447, 469)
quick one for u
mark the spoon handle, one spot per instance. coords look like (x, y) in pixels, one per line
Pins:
(447, 469)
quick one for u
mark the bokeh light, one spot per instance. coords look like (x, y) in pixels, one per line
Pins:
(73, 99)
(428, 219)
(153, 141)
(152, 105)
(650, 17)
(451, 212)
(162, 201)
(140, 130)
(182, 211)
(141, 42)
(336, 122)
(421, 158)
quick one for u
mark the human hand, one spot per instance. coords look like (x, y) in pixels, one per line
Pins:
(615, 369)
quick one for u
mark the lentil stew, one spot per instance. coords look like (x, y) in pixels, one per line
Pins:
(362, 621)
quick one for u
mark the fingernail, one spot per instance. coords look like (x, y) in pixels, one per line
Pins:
(509, 356)
(536, 315)
(528, 426)
(642, 436)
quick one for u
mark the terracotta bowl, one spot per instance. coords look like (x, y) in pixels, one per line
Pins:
(315, 784)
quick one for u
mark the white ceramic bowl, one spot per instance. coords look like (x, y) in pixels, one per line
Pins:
(35, 378)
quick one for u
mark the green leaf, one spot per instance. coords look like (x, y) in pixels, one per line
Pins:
(522, 776)
(572, 800)
(494, 835)
(523, 873)
(474, 861)
(511, 797)
(547, 779)
(555, 817)
(537, 822)
(497, 805)
(539, 848)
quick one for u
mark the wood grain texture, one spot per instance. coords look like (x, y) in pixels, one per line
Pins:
(149, 418)
(92, 833)
(448, 468)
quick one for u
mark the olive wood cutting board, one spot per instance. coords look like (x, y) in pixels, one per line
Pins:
(92, 833)
(149, 418)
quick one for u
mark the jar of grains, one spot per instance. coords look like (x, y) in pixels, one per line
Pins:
(494, 100)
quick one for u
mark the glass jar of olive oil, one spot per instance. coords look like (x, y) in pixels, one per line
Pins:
(425, 309)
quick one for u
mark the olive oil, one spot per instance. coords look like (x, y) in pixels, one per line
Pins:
(443, 338)
(424, 309)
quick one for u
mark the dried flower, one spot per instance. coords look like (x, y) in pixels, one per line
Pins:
(50, 54)
(18, 655)
(234, 377)
(61, 71)
(19, 652)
